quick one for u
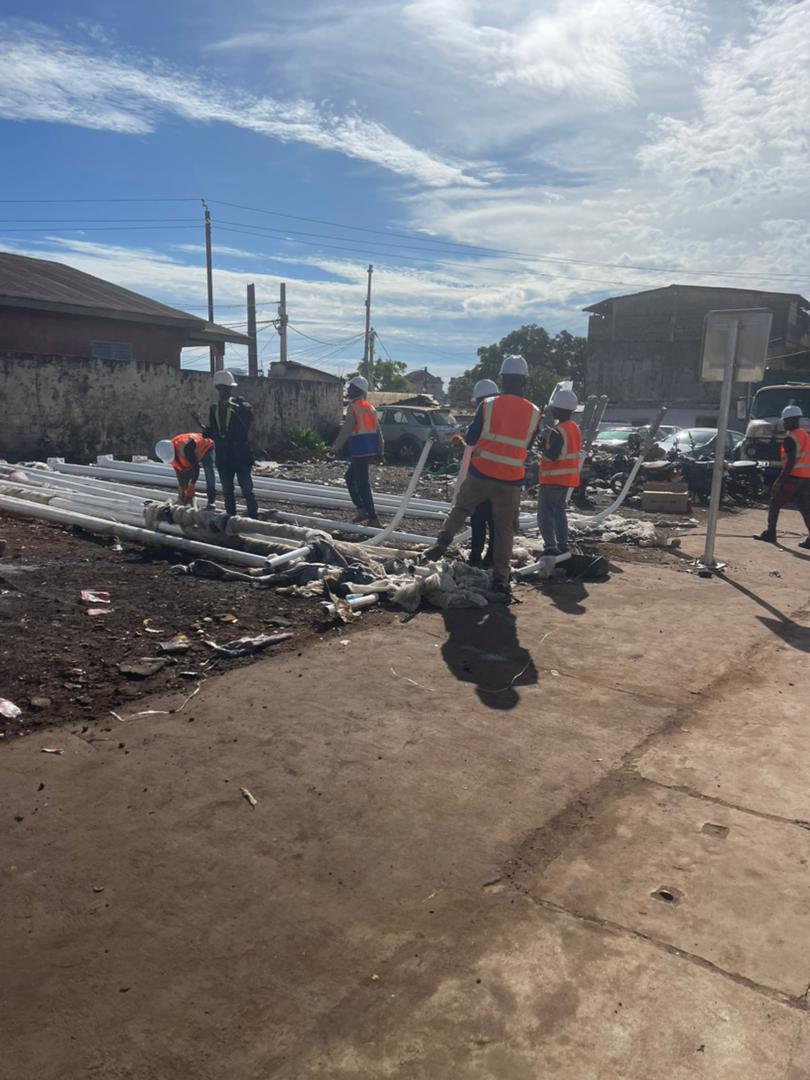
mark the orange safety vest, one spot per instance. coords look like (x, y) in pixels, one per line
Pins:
(202, 445)
(509, 425)
(364, 440)
(564, 472)
(801, 469)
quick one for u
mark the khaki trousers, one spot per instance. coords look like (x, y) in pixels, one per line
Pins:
(505, 499)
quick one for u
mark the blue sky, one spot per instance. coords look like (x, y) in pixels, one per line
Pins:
(509, 161)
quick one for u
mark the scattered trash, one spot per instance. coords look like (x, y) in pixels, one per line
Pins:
(375, 978)
(9, 709)
(774, 573)
(178, 644)
(98, 888)
(157, 712)
(51, 750)
(244, 646)
(413, 682)
(151, 630)
(142, 668)
(344, 641)
(555, 673)
(189, 674)
(99, 611)
(40, 703)
(250, 798)
(90, 596)
(227, 618)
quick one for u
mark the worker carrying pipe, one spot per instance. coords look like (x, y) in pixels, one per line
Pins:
(361, 433)
(500, 435)
(186, 453)
(560, 467)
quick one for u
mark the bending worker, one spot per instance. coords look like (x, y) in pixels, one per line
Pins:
(482, 526)
(361, 431)
(793, 482)
(500, 434)
(229, 421)
(560, 467)
(185, 453)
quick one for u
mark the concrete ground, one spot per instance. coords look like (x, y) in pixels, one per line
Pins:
(565, 840)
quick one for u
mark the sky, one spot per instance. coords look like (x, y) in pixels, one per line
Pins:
(498, 163)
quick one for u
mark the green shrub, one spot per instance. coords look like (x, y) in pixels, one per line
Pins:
(303, 444)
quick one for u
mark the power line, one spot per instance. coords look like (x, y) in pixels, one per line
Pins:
(509, 251)
(59, 202)
(319, 342)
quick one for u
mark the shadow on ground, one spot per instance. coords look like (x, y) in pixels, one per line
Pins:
(482, 648)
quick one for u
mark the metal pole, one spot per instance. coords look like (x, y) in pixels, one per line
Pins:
(366, 343)
(253, 354)
(282, 323)
(720, 449)
(209, 273)
(370, 372)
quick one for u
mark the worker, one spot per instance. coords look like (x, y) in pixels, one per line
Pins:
(361, 435)
(793, 482)
(186, 453)
(229, 421)
(501, 432)
(560, 465)
(482, 526)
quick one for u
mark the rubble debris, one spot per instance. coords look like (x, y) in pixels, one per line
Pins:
(249, 797)
(90, 597)
(178, 644)
(143, 667)
(9, 709)
(245, 645)
(51, 750)
(39, 704)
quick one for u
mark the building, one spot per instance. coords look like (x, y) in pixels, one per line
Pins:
(644, 350)
(290, 369)
(48, 309)
(424, 383)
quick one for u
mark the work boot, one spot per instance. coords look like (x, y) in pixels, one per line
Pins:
(475, 559)
(767, 537)
(375, 522)
(805, 543)
(502, 588)
(437, 551)
(360, 518)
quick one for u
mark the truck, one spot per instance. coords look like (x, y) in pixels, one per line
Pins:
(765, 432)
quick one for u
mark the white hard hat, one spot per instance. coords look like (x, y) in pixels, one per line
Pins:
(791, 410)
(514, 365)
(360, 383)
(224, 378)
(165, 451)
(483, 388)
(563, 399)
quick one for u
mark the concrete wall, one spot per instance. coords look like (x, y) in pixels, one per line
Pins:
(80, 408)
(47, 333)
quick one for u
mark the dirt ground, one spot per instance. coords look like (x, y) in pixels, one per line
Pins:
(51, 649)
(566, 838)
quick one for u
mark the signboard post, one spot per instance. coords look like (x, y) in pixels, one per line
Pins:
(735, 347)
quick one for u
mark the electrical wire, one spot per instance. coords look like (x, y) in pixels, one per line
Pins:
(504, 252)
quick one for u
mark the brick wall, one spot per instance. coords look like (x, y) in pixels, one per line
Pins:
(78, 408)
(51, 334)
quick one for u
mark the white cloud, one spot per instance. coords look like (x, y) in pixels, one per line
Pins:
(45, 78)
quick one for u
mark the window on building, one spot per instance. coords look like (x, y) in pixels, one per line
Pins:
(111, 350)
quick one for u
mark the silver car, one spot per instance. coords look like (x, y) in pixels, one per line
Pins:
(405, 429)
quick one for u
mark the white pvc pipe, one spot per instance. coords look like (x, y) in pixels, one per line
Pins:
(333, 525)
(129, 532)
(399, 514)
(354, 603)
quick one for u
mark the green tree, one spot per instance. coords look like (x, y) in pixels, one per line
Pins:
(386, 375)
(550, 360)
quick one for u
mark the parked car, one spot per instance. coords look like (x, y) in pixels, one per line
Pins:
(613, 438)
(405, 429)
(699, 443)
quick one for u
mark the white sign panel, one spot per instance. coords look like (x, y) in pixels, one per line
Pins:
(753, 331)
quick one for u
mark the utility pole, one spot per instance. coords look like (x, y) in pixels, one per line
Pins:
(371, 335)
(209, 272)
(281, 324)
(253, 353)
(367, 341)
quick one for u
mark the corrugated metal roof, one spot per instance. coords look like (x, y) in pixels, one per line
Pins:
(44, 285)
(602, 305)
